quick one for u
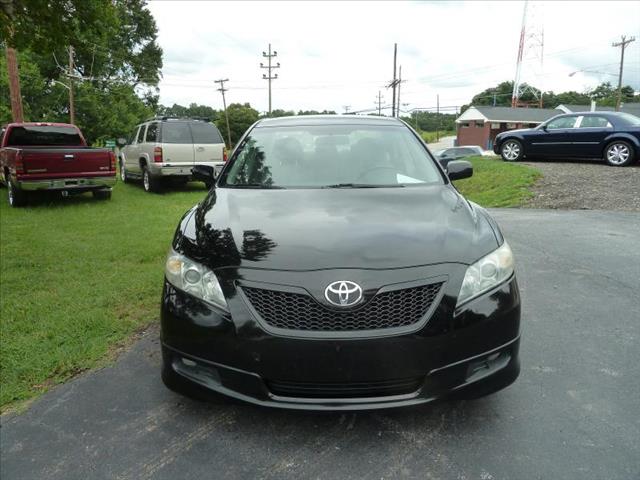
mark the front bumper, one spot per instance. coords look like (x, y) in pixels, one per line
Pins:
(68, 183)
(474, 349)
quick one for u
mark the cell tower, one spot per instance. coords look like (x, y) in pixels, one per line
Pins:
(529, 68)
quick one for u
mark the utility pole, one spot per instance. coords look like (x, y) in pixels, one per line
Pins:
(14, 85)
(622, 44)
(379, 102)
(12, 65)
(394, 82)
(399, 84)
(224, 105)
(438, 118)
(346, 108)
(270, 67)
(72, 113)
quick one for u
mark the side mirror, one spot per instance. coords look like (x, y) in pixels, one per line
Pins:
(204, 173)
(459, 169)
(121, 142)
(544, 127)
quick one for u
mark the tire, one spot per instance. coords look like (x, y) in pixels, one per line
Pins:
(511, 150)
(16, 197)
(619, 153)
(149, 182)
(102, 194)
(123, 173)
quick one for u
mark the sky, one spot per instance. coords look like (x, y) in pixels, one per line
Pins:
(339, 55)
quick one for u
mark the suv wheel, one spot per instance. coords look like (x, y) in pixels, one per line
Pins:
(17, 198)
(511, 151)
(150, 183)
(619, 154)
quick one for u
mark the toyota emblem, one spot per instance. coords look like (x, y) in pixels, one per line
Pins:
(343, 293)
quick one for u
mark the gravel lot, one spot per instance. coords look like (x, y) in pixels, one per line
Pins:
(585, 184)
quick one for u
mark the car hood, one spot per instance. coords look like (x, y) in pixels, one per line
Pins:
(309, 229)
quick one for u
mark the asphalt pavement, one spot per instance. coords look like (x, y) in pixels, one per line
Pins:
(574, 413)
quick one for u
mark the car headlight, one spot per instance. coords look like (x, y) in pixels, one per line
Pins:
(193, 278)
(486, 273)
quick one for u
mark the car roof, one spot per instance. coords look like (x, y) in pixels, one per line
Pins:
(598, 113)
(299, 120)
(40, 124)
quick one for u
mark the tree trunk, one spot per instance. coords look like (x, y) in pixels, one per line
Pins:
(14, 85)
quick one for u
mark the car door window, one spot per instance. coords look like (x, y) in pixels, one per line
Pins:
(594, 122)
(132, 137)
(152, 133)
(560, 123)
(141, 134)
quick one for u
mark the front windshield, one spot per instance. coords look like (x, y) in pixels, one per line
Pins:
(312, 156)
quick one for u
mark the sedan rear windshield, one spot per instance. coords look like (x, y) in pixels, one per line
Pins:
(44, 135)
(630, 119)
(330, 156)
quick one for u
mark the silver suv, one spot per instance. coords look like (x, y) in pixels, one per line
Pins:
(165, 147)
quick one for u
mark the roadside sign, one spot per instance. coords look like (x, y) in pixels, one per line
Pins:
(110, 143)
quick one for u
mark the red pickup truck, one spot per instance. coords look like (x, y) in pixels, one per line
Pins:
(52, 156)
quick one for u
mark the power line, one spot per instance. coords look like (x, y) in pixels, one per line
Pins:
(224, 105)
(270, 67)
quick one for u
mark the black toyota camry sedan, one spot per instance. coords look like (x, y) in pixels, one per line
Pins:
(333, 266)
(611, 136)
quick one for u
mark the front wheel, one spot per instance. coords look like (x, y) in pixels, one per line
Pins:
(511, 151)
(619, 154)
(17, 198)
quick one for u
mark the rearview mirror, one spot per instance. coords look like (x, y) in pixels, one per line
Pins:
(459, 169)
(121, 142)
(204, 173)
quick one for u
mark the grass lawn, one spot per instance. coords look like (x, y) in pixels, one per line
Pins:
(498, 184)
(79, 276)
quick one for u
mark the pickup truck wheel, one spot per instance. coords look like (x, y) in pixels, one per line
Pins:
(511, 151)
(123, 173)
(17, 198)
(619, 154)
(150, 183)
(102, 194)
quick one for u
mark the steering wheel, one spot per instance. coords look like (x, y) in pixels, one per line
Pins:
(368, 172)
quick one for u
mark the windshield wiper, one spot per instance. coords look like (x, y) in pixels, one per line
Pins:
(254, 185)
(362, 185)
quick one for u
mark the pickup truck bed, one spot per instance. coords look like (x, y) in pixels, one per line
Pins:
(70, 169)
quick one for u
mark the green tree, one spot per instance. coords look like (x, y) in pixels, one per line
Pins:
(241, 117)
(117, 61)
(192, 111)
(282, 113)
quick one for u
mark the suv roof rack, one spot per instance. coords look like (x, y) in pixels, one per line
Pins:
(169, 117)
